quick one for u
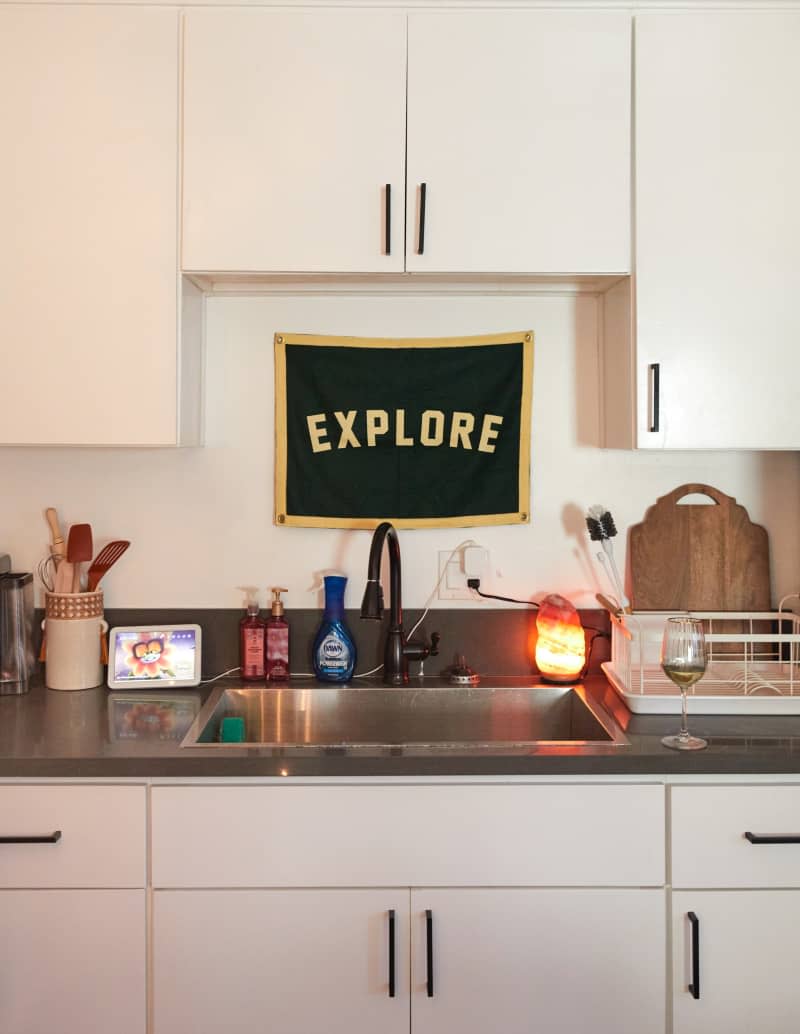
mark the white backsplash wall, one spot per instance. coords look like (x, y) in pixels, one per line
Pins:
(200, 520)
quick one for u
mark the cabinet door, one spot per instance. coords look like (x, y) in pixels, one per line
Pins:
(88, 266)
(746, 962)
(72, 961)
(293, 125)
(519, 126)
(718, 228)
(555, 961)
(294, 961)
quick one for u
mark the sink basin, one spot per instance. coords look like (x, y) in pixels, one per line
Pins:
(503, 719)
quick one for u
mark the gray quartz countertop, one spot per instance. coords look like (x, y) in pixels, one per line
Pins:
(95, 734)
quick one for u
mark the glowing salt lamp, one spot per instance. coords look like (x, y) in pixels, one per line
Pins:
(561, 643)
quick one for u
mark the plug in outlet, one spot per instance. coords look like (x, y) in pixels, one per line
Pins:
(455, 568)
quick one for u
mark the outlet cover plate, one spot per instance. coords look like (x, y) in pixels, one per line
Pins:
(453, 580)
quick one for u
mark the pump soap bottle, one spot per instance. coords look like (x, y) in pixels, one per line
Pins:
(252, 643)
(334, 648)
(277, 641)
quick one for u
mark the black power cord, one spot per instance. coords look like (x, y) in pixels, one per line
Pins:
(475, 583)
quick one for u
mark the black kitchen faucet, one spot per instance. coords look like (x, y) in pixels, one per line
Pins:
(398, 651)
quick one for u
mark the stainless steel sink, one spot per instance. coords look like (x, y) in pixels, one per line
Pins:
(500, 719)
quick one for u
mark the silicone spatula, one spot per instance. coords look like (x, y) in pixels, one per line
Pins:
(79, 551)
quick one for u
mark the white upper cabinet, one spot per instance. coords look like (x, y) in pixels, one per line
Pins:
(518, 125)
(294, 124)
(519, 128)
(89, 294)
(718, 229)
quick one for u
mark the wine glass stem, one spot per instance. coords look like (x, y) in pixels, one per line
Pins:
(684, 707)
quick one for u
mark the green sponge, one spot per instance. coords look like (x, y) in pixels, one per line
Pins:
(231, 730)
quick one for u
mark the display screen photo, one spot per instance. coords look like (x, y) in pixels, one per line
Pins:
(155, 655)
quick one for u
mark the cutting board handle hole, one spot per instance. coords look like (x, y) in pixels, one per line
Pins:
(697, 499)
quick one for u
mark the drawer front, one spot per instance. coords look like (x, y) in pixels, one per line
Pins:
(363, 836)
(103, 837)
(709, 846)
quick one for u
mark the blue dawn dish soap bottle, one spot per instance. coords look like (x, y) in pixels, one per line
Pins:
(334, 649)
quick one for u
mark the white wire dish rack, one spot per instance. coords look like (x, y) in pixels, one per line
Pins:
(753, 663)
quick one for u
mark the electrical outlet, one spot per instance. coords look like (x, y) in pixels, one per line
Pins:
(453, 577)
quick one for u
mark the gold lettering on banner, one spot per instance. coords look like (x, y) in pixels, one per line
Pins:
(400, 428)
(433, 428)
(488, 432)
(347, 437)
(317, 434)
(377, 423)
(462, 427)
(435, 418)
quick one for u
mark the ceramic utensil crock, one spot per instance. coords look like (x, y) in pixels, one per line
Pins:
(74, 640)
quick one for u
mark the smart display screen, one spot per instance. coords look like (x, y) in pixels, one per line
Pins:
(155, 656)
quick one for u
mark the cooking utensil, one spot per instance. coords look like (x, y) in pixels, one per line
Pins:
(79, 550)
(56, 538)
(105, 559)
(64, 576)
(699, 557)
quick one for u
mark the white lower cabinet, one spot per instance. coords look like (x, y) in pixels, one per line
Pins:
(735, 908)
(504, 919)
(295, 961)
(743, 966)
(479, 961)
(73, 909)
(555, 961)
(72, 961)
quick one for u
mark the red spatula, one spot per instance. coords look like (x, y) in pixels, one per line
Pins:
(79, 551)
(106, 558)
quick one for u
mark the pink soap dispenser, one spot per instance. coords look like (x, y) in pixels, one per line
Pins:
(252, 643)
(277, 640)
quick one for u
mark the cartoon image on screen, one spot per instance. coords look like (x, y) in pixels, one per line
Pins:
(155, 655)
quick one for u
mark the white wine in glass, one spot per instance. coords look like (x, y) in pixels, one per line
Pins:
(684, 659)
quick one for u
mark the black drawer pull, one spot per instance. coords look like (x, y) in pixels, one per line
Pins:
(773, 838)
(423, 192)
(655, 391)
(388, 201)
(391, 954)
(694, 987)
(52, 839)
(429, 949)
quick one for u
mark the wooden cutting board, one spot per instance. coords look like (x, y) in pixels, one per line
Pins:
(699, 557)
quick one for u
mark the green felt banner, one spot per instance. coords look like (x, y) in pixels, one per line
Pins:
(423, 432)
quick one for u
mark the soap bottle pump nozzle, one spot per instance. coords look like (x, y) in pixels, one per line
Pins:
(277, 602)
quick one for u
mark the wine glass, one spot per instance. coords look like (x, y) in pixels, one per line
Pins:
(683, 658)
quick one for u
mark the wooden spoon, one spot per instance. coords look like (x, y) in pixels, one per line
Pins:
(56, 538)
(106, 558)
(79, 550)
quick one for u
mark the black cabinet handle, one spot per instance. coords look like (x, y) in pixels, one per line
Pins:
(391, 954)
(52, 839)
(388, 217)
(655, 389)
(423, 191)
(773, 838)
(694, 987)
(429, 948)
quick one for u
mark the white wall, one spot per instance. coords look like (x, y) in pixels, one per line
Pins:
(200, 520)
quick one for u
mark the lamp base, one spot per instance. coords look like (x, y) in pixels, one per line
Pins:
(563, 680)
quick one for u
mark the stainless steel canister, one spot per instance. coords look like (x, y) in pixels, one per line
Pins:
(17, 658)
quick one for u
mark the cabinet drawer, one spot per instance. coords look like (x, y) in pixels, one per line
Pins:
(709, 846)
(102, 841)
(363, 836)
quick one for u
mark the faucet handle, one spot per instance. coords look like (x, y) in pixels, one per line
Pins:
(417, 651)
